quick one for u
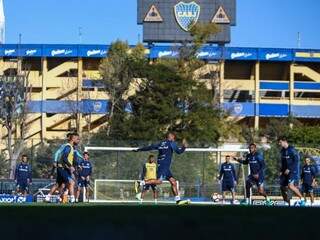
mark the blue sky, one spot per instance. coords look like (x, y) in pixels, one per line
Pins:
(260, 23)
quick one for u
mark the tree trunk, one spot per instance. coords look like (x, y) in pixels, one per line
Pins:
(110, 117)
(13, 161)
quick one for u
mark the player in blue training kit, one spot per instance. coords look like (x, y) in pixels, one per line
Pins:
(65, 168)
(166, 148)
(229, 179)
(289, 172)
(308, 179)
(257, 167)
(84, 173)
(23, 176)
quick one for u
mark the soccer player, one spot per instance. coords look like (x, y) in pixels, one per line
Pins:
(289, 172)
(229, 179)
(85, 171)
(308, 179)
(23, 176)
(257, 166)
(149, 172)
(65, 168)
(166, 148)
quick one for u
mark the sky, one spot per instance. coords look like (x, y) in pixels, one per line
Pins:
(260, 23)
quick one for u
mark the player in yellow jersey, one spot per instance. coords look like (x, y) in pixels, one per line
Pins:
(149, 172)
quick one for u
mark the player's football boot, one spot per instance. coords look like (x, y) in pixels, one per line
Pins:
(268, 202)
(302, 203)
(138, 196)
(244, 202)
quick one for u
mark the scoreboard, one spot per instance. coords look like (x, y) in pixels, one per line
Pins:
(170, 20)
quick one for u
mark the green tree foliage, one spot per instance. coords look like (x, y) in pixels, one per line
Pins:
(118, 71)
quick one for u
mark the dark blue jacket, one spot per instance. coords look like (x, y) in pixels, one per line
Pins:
(227, 173)
(256, 163)
(86, 168)
(23, 172)
(165, 152)
(308, 174)
(290, 159)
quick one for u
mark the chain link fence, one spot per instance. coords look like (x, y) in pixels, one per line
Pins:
(197, 172)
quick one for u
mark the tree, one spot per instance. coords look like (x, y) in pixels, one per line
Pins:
(118, 71)
(15, 93)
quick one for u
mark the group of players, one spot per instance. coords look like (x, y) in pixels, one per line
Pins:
(289, 175)
(154, 173)
(73, 171)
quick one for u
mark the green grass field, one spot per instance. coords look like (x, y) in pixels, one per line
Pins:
(135, 221)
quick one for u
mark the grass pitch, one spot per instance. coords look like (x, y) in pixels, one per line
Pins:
(162, 221)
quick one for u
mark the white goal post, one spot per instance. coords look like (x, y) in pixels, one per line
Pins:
(128, 149)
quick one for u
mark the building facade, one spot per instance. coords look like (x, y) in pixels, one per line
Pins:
(255, 84)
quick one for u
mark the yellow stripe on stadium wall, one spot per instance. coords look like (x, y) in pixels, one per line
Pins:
(307, 55)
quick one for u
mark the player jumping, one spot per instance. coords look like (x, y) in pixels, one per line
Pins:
(308, 179)
(149, 172)
(23, 176)
(229, 179)
(166, 149)
(289, 172)
(257, 166)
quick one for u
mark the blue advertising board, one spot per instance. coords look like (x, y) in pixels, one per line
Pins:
(7, 198)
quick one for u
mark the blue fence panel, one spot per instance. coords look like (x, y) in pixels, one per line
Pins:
(306, 111)
(307, 86)
(273, 110)
(280, 86)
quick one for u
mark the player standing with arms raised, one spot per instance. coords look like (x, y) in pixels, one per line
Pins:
(289, 172)
(166, 148)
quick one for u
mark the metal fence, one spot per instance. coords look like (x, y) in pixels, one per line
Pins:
(196, 172)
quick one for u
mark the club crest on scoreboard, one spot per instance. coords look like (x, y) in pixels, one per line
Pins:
(187, 14)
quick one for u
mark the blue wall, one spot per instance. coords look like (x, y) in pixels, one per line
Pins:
(208, 52)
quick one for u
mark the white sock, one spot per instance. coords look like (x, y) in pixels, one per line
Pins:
(142, 183)
(72, 199)
(177, 198)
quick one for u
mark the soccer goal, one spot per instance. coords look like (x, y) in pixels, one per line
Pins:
(196, 170)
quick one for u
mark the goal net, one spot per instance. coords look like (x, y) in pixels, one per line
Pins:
(117, 168)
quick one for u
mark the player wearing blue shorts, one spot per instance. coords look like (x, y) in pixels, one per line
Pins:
(84, 173)
(289, 172)
(23, 176)
(149, 172)
(229, 180)
(257, 167)
(166, 148)
(308, 179)
(61, 178)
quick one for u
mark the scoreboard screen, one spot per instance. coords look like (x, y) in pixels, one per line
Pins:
(170, 20)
